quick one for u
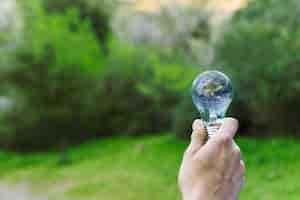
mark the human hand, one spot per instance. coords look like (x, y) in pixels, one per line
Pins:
(212, 169)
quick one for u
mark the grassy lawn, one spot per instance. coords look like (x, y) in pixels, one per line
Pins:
(146, 169)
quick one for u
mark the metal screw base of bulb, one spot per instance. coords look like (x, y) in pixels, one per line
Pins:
(213, 127)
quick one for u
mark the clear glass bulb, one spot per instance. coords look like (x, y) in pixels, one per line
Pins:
(212, 94)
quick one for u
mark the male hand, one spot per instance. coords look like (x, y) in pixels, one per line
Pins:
(212, 169)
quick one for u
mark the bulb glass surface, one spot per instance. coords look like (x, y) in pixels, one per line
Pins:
(212, 94)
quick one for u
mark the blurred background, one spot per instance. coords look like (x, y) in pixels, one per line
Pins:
(95, 96)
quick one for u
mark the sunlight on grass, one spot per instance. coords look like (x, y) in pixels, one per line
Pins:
(146, 168)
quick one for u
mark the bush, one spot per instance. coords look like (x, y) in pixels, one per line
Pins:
(134, 94)
(183, 116)
(61, 89)
(142, 88)
(260, 51)
(98, 14)
(50, 84)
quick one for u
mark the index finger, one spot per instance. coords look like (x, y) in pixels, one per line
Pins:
(228, 128)
(224, 136)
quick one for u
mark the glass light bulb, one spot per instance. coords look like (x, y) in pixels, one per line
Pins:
(212, 94)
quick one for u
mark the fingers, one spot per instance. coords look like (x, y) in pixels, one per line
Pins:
(238, 176)
(224, 137)
(226, 133)
(242, 166)
(198, 137)
(239, 179)
(239, 170)
(228, 128)
(235, 160)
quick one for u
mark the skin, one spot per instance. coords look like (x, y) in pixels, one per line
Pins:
(212, 169)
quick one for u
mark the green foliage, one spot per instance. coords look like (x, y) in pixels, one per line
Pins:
(61, 88)
(140, 89)
(98, 14)
(73, 41)
(260, 51)
(69, 91)
(183, 116)
(50, 86)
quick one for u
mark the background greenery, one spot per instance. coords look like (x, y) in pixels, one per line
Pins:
(259, 50)
(146, 168)
(71, 79)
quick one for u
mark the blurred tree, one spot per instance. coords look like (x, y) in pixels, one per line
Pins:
(260, 50)
(140, 89)
(98, 13)
(50, 84)
(60, 89)
(182, 31)
(183, 116)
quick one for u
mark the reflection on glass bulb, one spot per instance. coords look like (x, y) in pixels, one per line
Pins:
(212, 94)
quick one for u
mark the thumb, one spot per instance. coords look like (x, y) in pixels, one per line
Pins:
(228, 128)
(198, 137)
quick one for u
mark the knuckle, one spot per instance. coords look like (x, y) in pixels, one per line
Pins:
(220, 176)
(237, 152)
(225, 140)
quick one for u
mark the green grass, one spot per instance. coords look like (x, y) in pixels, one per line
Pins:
(146, 169)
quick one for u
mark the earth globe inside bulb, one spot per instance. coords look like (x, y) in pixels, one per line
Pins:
(212, 94)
